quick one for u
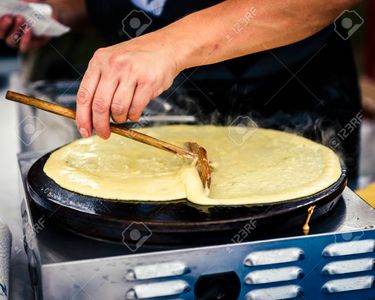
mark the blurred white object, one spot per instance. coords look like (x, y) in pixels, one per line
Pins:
(5, 247)
(37, 15)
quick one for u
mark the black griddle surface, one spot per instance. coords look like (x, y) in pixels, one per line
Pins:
(178, 222)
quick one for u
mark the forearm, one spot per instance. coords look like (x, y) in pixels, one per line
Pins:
(235, 28)
(119, 83)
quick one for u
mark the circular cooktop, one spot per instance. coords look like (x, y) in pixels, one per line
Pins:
(171, 222)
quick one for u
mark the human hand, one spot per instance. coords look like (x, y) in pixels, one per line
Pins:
(121, 80)
(17, 33)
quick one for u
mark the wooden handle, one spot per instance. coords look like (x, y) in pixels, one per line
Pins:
(71, 114)
(41, 104)
(203, 164)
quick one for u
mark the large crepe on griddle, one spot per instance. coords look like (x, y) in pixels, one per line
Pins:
(250, 166)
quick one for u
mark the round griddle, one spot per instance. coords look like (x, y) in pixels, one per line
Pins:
(172, 223)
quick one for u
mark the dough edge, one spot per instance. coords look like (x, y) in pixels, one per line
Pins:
(194, 189)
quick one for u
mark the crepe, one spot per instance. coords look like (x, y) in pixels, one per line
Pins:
(250, 166)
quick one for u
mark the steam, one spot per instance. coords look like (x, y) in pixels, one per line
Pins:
(314, 124)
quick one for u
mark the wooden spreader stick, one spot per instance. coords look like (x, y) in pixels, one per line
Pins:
(202, 164)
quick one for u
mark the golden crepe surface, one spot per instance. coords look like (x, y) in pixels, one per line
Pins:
(251, 166)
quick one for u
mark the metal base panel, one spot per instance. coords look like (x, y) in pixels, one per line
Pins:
(326, 266)
(336, 261)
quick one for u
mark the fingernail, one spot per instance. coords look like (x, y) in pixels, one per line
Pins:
(131, 112)
(132, 116)
(84, 133)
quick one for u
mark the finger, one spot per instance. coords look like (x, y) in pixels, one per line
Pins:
(121, 101)
(30, 42)
(16, 32)
(6, 23)
(85, 96)
(101, 106)
(25, 42)
(142, 97)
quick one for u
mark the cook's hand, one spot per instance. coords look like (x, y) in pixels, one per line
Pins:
(18, 34)
(121, 80)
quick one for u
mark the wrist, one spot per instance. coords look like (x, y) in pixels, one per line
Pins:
(192, 47)
(182, 49)
(184, 54)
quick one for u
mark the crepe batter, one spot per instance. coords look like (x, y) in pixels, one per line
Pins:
(251, 166)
